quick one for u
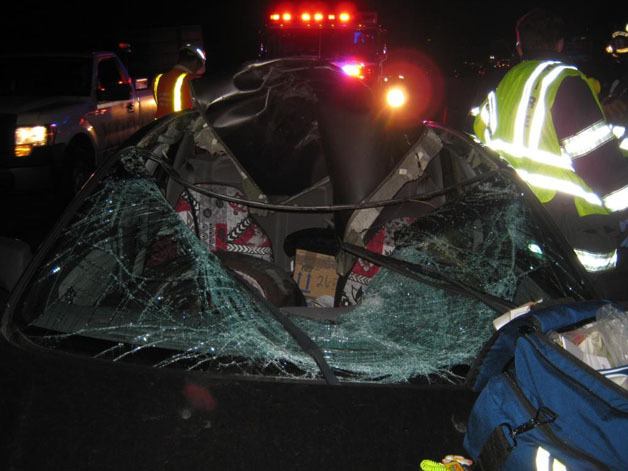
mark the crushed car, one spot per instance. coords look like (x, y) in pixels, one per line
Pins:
(285, 276)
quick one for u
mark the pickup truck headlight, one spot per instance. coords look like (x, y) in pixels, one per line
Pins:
(27, 137)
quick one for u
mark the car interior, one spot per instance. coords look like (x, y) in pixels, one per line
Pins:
(276, 139)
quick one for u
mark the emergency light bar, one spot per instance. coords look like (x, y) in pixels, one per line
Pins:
(304, 17)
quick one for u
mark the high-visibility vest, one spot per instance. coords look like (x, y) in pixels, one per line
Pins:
(172, 92)
(515, 120)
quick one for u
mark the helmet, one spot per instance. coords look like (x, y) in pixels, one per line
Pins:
(618, 44)
(191, 50)
(193, 57)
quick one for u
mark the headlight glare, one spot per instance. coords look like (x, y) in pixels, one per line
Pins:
(31, 135)
(396, 97)
(27, 137)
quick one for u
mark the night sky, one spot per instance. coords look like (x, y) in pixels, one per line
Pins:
(450, 30)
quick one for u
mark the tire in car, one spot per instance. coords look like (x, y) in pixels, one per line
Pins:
(269, 281)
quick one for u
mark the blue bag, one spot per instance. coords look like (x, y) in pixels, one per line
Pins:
(540, 407)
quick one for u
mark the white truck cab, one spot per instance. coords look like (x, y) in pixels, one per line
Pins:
(61, 113)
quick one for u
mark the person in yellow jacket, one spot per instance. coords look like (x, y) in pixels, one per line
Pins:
(545, 120)
(172, 89)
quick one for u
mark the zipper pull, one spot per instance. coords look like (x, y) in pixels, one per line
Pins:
(543, 416)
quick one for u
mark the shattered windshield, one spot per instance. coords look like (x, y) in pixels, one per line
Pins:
(403, 328)
(129, 276)
(127, 270)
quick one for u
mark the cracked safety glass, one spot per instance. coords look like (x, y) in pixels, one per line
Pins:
(128, 281)
(128, 274)
(403, 328)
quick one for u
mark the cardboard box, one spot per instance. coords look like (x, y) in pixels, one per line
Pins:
(316, 276)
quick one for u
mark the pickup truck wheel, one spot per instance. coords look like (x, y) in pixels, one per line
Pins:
(80, 165)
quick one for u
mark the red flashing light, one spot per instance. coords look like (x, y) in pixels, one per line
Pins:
(288, 15)
(353, 69)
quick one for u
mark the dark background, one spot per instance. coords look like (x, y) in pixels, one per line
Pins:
(449, 30)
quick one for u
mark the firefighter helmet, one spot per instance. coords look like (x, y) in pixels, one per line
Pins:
(195, 51)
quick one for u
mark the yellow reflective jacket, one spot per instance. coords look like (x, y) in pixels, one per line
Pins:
(516, 122)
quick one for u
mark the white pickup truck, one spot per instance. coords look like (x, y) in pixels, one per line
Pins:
(61, 113)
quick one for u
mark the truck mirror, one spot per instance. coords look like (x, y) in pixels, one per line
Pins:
(141, 84)
(15, 256)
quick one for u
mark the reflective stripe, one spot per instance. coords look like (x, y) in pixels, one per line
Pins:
(492, 111)
(484, 115)
(617, 200)
(156, 85)
(475, 111)
(564, 186)
(536, 155)
(596, 262)
(542, 459)
(545, 462)
(525, 100)
(587, 140)
(623, 145)
(618, 131)
(177, 92)
(538, 120)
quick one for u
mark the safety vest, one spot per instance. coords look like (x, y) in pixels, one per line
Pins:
(515, 121)
(172, 92)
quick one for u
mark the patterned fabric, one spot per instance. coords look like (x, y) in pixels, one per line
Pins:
(383, 243)
(224, 226)
(228, 227)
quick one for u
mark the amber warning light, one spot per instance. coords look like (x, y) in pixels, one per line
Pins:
(307, 18)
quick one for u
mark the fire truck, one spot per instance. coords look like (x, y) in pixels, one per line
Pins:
(350, 39)
(354, 41)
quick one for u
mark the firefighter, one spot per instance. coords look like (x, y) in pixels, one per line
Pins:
(172, 90)
(545, 120)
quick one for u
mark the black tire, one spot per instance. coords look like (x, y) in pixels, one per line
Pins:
(266, 279)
